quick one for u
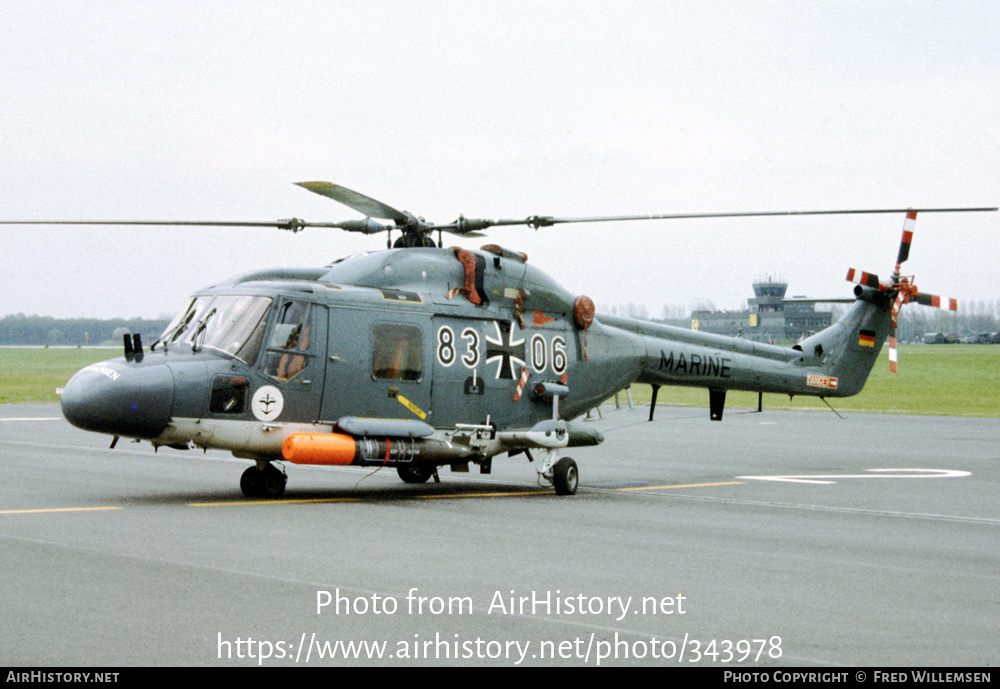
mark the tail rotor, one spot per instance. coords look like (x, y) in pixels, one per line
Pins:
(901, 289)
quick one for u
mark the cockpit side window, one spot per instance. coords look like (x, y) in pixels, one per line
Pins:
(289, 344)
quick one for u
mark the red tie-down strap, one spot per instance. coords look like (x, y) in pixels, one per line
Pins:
(583, 316)
(474, 267)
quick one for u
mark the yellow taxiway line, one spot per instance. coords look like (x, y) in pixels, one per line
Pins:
(60, 509)
(293, 501)
(304, 501)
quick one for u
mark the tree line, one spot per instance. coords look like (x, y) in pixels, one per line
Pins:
(973, 320)
(20, 329)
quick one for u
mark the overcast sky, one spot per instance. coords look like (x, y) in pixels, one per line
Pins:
(211, 110)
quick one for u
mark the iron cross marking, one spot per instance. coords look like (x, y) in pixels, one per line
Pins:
(505, 350)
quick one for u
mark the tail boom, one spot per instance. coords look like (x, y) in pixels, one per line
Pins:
(835, 362)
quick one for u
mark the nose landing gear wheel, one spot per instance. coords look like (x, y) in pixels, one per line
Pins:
(412, 474)
(565, 477)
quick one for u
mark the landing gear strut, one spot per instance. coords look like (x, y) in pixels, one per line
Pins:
(263, 482)
(561, 473)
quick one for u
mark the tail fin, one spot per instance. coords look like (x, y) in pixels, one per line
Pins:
(848, 349)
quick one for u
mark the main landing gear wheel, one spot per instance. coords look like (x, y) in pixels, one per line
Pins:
(411, 474)
(565, 477)
(268, 482)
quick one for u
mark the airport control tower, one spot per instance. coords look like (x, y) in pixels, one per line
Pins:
(769, 308)
(768, 318)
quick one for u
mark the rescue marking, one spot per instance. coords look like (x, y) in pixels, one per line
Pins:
(411, 406)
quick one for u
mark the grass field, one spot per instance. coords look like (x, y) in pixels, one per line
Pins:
(32, 374)
(950, 380)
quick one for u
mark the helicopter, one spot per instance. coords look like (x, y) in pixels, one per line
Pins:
(420, 356)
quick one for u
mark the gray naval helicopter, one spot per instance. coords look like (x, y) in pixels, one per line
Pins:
(421, 356)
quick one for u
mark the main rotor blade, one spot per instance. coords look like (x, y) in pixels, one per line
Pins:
(469, 227)
(359, 202)
(465, 225)
(545, 221)
(176, 223)
(366, 226)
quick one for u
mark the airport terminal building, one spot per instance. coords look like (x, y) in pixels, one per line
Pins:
(768, 318)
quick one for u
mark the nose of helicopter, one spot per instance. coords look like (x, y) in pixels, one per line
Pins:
(120, 399)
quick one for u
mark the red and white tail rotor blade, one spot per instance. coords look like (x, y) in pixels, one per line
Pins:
(862, 278)
(903, 285)
(946, 303)
(904, 244)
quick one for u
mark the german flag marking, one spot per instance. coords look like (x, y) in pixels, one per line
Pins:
(867, 338)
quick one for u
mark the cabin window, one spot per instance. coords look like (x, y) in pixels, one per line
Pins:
(289, 345)
(397, 352)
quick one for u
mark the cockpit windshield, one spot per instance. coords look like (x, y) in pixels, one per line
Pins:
(231, 324)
